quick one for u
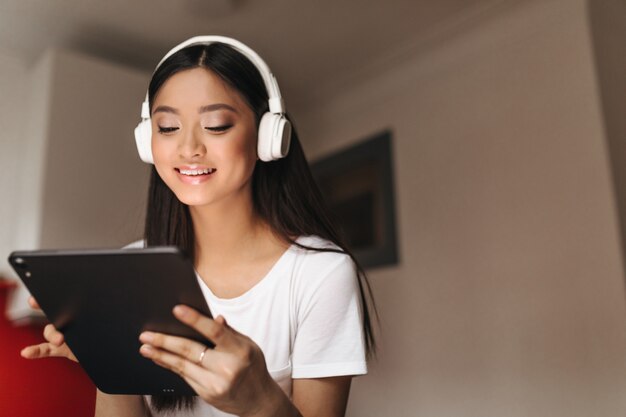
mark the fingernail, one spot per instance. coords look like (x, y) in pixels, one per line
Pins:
(180, 311)
(146, 337)
(146, 350)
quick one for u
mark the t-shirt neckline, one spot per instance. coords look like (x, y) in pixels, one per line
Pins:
(263, 282)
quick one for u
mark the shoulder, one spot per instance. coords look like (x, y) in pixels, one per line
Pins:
(320, 253)
(319, 261)
(316, 242)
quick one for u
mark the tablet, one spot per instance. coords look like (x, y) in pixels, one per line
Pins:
(101, 300)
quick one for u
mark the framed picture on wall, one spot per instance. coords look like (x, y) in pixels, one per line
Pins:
(358, 186)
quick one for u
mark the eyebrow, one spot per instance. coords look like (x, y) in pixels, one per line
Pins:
(217, 106)
(203, 109)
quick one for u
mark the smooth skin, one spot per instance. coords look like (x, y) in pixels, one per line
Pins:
(199, 122)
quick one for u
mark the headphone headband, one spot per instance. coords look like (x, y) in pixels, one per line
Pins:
(276, 103)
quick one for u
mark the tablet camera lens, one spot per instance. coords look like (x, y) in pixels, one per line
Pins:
(20, 263)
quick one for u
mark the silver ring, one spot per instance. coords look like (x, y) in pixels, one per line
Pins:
(199, 361)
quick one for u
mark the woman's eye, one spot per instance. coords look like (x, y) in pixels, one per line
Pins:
(167, 129)
(218, 129)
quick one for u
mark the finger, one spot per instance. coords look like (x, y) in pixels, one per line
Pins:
(47, 350)
(42, 350)
(186, 348)
(33, 303)
(191, 351)
(221, 320)
(183, 367)
(52, 335)
(211, 359)
(216, 331)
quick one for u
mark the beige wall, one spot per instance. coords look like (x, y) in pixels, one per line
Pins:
(81, 183)
(509, 297)
(12, 103)
(95, 186)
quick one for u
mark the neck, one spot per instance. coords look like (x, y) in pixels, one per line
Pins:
(226, 232)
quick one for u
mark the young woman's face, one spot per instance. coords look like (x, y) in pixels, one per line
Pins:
(203, 139)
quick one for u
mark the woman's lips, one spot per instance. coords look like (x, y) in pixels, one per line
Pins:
(195, 176)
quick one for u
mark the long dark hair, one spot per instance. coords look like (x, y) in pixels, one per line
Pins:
(284, 192)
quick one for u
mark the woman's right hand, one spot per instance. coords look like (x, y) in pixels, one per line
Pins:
(55, 346)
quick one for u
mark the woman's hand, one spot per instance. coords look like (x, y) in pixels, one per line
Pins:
(55, 345)
(233, 377)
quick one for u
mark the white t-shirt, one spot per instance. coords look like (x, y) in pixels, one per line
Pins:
(305, 315)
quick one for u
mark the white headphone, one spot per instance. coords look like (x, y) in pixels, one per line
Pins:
(274, 130)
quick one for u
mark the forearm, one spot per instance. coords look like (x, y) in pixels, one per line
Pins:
(276, 404)
(120, 406)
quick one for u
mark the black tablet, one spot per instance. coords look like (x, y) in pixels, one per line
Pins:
(101, 300)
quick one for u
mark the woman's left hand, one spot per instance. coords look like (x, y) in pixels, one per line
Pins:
(232, 377)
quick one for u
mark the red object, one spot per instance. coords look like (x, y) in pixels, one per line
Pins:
(42, 387)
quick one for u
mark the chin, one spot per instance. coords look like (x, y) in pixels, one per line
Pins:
(194, 200)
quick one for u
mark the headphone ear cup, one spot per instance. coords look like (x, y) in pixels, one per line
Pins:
(143, 139)
(264, 142)
(282, 138)
(274, 137)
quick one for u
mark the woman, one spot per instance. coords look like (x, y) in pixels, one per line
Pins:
(292, 323)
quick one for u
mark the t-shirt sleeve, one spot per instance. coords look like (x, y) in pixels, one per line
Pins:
(329, 338)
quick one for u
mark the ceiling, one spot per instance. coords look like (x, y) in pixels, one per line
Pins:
(310, 45)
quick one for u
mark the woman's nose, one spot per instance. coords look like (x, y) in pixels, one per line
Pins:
(191, 145)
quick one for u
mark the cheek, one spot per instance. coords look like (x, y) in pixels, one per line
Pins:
(250, 148)
(239, 161)
(158, 150)
(160, 155)
(243, 150)
(249, 152)
(163, 174)
(251, 144)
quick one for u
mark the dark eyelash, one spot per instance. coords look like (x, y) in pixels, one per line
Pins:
(167, 129)
(219, 128)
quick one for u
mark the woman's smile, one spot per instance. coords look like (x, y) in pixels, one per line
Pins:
(195, 176)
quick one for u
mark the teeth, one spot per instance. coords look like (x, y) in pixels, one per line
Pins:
(197, 171)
